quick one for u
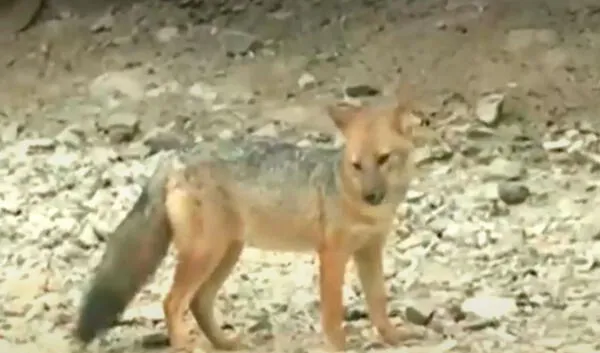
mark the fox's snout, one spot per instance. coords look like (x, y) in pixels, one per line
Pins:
(374, 197)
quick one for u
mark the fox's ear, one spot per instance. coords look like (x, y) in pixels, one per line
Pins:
(342, 114)
(404, 121)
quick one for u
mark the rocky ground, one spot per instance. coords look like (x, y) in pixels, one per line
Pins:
(497, 246)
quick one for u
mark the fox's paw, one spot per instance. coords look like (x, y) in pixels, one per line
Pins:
(395, 335)
(233, 343)
(336, 340)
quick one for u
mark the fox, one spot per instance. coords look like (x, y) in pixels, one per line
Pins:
(214, 199)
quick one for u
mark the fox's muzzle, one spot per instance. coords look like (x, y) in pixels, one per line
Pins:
(374, 197)
(373, 186)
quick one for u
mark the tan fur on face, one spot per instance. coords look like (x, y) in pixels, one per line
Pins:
(378, 144)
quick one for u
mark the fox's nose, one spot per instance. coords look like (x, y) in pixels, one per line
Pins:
(374, 197)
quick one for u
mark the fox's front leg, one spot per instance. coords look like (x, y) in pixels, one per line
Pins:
(332, 266)
(369, 263)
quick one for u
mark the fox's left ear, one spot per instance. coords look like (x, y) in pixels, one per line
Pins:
(404, 121)
(342, 114)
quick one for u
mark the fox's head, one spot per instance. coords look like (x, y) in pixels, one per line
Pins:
(377, 148)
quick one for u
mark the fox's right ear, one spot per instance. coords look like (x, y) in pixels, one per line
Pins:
(342, 114)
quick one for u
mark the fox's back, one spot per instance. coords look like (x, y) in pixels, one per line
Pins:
(270, 167)
(276, 187)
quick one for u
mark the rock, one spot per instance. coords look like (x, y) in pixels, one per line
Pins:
(304, 143)
(136, 150)
(589, 227)
(420, 313)
(226, 134)
(363, 90)
(168, 87)
(505, 169)
(512, 193)
(162, 139)
(167, 34)
(429, 154)
(414, 195)
(203, 91)
(269, 130)
(489, 108)
(104, 23)
(155, 340)
(124, 83)
(238, 42)
(307, 81)
(519, 39)
(148, 312)
(556, 145)
(120, 127)
(11, 131)
(38, 145)
(489, 306)
(71, 136)
(88, 237)
(11, 205)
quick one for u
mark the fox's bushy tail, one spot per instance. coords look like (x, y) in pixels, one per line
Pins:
(133, 253)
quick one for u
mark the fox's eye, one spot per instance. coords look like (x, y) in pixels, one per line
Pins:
(356, 165)
(382, 159)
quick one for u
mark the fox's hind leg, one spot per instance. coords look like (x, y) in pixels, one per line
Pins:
(198, 255)
(202, 306)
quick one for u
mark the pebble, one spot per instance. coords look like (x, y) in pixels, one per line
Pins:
(489, 307)
(167, 34)
(505, 169)
(307, 81)
(512, 193)
(489, 108)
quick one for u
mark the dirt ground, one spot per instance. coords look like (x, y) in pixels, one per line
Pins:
(497, 239)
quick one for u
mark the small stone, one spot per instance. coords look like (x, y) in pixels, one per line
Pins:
(71, 136)
(117, 82)
(429, 154)
(238, 42)
(307, 81)
(11, 131)
(148, 312)
(304, 143)
(512, 193)
(203, 91)
(556, 145)
(120, 127)
(269, 130)
(523, 38)
(362, 90)
(162, 139)
(505, 169)
(168, 87)
(226, 134)
(11, 205)
(489, 108)
(136, 150)
(155, 340)
(414, 195)
(88, 237)
(42, 144)
(104, 23)
(167, 34)
(420, 313)
(589, 227)
(489, 306)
